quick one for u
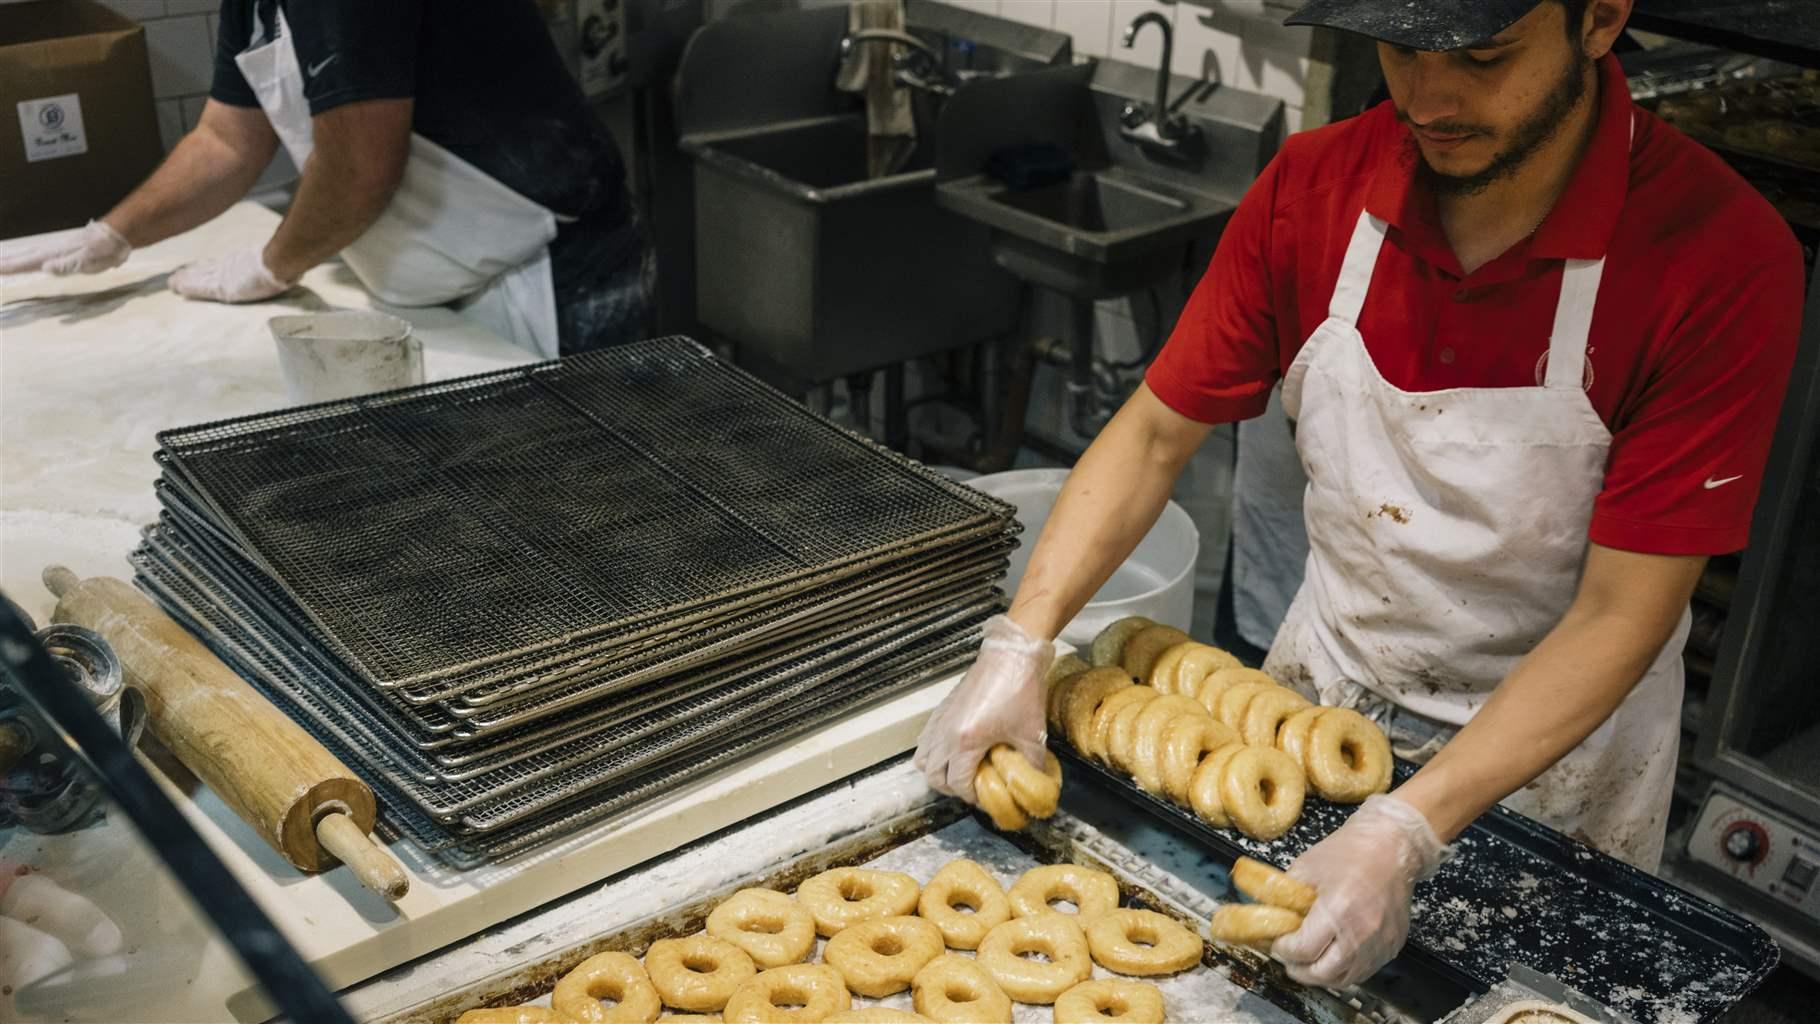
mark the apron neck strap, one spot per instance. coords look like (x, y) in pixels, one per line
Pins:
(1355, 270)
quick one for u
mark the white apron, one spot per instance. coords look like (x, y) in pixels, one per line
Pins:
(451, 234)
(1447, 534)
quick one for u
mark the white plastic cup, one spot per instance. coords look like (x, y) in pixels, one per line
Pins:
(1157, 581)
(324, 357)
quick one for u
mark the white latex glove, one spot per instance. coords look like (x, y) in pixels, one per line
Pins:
(999, 700)
(1365, 873)
(239, 276)
(84, 250)
(45, 928)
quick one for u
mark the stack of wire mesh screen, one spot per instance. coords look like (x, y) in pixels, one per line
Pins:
(527, 601)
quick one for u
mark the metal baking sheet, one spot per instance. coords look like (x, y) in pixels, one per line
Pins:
(1518, 892)
(521, 503)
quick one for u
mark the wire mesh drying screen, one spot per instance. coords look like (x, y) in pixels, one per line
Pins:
(427, 531)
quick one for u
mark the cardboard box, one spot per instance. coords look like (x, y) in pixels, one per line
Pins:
(77, 126)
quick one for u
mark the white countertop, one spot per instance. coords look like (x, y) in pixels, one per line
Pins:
(91, 368)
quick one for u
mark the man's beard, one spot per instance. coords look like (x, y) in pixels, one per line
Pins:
(1528, 136)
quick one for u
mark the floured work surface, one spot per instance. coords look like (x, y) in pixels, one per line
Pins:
(1518, 892)
(1220, 989)
(524, 601)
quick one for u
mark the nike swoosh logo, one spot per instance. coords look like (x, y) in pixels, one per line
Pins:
(1711, 483)
(316, 68)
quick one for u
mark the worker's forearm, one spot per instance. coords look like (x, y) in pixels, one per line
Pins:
(1556, 697)
(1110, 501)
(204, 174)
(336, 201)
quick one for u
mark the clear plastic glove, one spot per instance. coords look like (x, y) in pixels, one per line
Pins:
(1365, 873)
(45, 928)
(84, 250)
(999, 700)
(237, 277)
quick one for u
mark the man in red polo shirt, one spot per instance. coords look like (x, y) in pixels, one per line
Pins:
(1534, 341)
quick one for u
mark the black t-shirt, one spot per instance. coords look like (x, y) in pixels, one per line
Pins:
(485, 76)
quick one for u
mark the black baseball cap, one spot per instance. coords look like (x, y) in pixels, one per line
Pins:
(1417, 24)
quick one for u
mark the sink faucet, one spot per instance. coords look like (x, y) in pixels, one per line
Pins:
(919, 68)
(1160, 127)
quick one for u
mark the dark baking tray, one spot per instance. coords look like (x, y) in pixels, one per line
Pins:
(1520, 892)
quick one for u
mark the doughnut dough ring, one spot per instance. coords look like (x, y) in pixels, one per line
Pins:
(1217, 682)
(878, 958)
(772, 928)
(844, 897)
(1142, 942)
(1292, 735)
(1109, 646)
(816, 991)
(615, 976)
(964, 883)
(1348, 756)
(954, 989)
(1236, 698)
(1146, 646)
(1029, 981)
(1184, 742)
(1093, 893)
(1107, 716)
(1266, 884)
(1110, 999)
(994, 796)
(1201, 661)
(1253, 924)
(1266, 712)
(1204, 788)
(1262, 791)
(1162, 674)
(1145, 766)
(512, 1015)
(674, 966)
(1085, 692)
(1121, 737)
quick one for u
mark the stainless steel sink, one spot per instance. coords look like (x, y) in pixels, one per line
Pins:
(1098, 203)
(812, 269)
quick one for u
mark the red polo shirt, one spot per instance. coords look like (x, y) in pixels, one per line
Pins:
(1693, 332)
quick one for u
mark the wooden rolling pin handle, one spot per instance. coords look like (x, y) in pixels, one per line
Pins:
(371, 864)
(60, 580)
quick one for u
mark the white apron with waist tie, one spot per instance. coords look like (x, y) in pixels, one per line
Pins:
(451, 234)
(1447, 532)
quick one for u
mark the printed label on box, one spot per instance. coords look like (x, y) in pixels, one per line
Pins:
(52, 127)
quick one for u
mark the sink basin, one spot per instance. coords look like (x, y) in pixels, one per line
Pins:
(1096, 203)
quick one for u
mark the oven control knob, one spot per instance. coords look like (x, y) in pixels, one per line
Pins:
(1746, 842)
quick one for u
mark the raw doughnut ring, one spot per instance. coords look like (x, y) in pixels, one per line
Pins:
(1035, 792)
(1093, 893)
(1085, 693)
(876, 1015)
(1292, 735)
(1032, 981)
(846, 896)
(1200, 662)
(1235, 699)
(1163, 671)
(796, 992)
(1253, 924)
(512, 1015)
(1266, 712)
(1121, 737)
(1065, 669)
(994, 796)
(615, 976)
(772, 928)
(955, 989)
(1110, 999)
(1266, 884)
(1348, 757)
(1146, 750)
(881, 957)
(1109, 645)
(962, 883)
(1145, 646)
(1065, 666)
(1142, 942)
(1262, 790)
(1204, 787)
(1111, 710)
(1217, 682)
(697, 973)
(1184, 742)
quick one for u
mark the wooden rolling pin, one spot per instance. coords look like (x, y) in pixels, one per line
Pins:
(294, 793)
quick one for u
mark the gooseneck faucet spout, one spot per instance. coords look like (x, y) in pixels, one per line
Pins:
(1161, 110)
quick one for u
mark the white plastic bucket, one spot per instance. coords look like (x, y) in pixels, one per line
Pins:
(323, 357)
(1157, 581)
